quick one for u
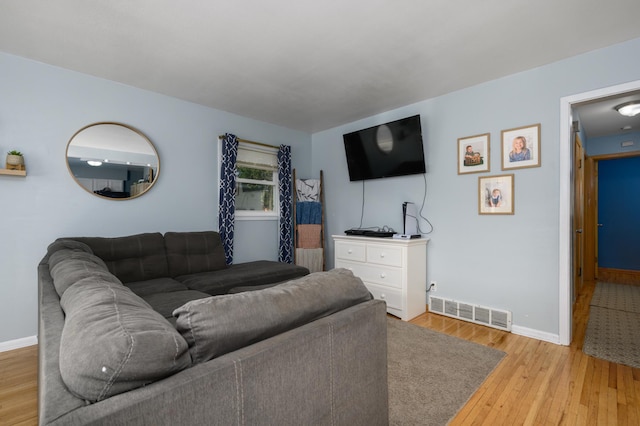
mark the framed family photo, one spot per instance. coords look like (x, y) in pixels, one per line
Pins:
(521, 147)
(496, 195)
(473, 154)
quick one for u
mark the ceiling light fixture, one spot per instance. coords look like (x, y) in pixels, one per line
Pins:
(629, 109)
(94, 163)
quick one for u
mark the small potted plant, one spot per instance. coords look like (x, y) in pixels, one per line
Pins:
(15, 160)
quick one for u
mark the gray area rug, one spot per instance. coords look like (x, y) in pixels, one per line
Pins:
(432, 375)
(621, 297)
(613, 330)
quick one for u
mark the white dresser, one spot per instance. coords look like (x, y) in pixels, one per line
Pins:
(393, 270)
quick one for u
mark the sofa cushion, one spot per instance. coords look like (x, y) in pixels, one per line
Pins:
(70, 266)
(259, 272)
(156, 285)
(221, 324)
(250, 288)
(132, 258)
(66, 243)
(112, 341)
(166, 303)
(64, 253)
(194, 252)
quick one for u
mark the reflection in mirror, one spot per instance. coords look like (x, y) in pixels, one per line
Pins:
(113, 160)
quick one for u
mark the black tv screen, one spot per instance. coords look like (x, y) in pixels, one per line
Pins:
(386, 150)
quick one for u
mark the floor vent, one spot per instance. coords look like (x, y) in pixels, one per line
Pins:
(491, 317)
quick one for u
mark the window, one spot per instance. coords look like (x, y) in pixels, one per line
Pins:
(257, 182)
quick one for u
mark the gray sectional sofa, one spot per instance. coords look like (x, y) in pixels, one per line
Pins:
(155, 329)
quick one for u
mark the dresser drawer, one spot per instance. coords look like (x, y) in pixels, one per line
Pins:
(391, 296)
(384, 255)
(384, 276)
(351, 251)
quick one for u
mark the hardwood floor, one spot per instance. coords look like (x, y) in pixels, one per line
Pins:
(19, 386)
(537, 383)
(540, 383)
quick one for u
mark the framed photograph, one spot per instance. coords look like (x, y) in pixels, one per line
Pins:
(521, 147)
(473, 154)
(495, 194)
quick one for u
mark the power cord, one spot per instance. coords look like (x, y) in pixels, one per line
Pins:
(386, 228)
(424, 199)
(362, 207)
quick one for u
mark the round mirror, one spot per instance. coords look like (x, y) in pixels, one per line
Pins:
(112, 160)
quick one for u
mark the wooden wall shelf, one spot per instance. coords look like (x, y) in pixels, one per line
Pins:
(13, 172)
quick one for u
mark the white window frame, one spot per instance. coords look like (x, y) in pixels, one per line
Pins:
(248, 150)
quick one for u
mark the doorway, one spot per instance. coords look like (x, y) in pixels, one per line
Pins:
(566, 207)
(616, 236)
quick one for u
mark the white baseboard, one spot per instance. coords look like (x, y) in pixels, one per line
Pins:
(535, 334)
(18, 343)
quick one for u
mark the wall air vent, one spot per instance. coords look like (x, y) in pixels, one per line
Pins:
(491, 317)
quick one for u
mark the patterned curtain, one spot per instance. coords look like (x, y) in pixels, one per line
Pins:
(285, 184)
(227, 202)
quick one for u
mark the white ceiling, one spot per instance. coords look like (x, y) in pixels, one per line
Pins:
(600, 118)
(309, 65)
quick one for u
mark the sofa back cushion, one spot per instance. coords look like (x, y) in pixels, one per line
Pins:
(132, 258)
(70, 261)
(221, 324)
(113, 341)
(70, 266)
(194, 252)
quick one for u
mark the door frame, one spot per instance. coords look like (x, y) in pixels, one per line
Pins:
(565, 257)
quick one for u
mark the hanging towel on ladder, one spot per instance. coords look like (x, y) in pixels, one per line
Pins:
(308, 189)
(309, 236)
(308, 212)
(311, 259)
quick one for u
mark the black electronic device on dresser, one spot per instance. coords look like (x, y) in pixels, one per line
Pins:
(369, 233)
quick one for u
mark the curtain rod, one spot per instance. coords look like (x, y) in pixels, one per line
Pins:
(254, 143)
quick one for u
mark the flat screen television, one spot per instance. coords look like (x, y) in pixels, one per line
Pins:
(387, 150)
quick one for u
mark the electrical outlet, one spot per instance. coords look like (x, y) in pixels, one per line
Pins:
(433, 286)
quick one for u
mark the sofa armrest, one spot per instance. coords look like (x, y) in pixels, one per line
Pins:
(54, 399)
(330, 371)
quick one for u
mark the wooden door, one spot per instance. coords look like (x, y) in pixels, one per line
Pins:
(578, 215)
(590, 225)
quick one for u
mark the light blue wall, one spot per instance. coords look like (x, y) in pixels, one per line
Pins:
(613, 144)
(41, 107)
(507, 262)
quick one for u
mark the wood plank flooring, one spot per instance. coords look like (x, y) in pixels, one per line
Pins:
(19, 386)
(537, 383)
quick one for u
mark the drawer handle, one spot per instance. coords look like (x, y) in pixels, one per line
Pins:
(382, 255)
(383, 296)
(383, 275)
(349, 251)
